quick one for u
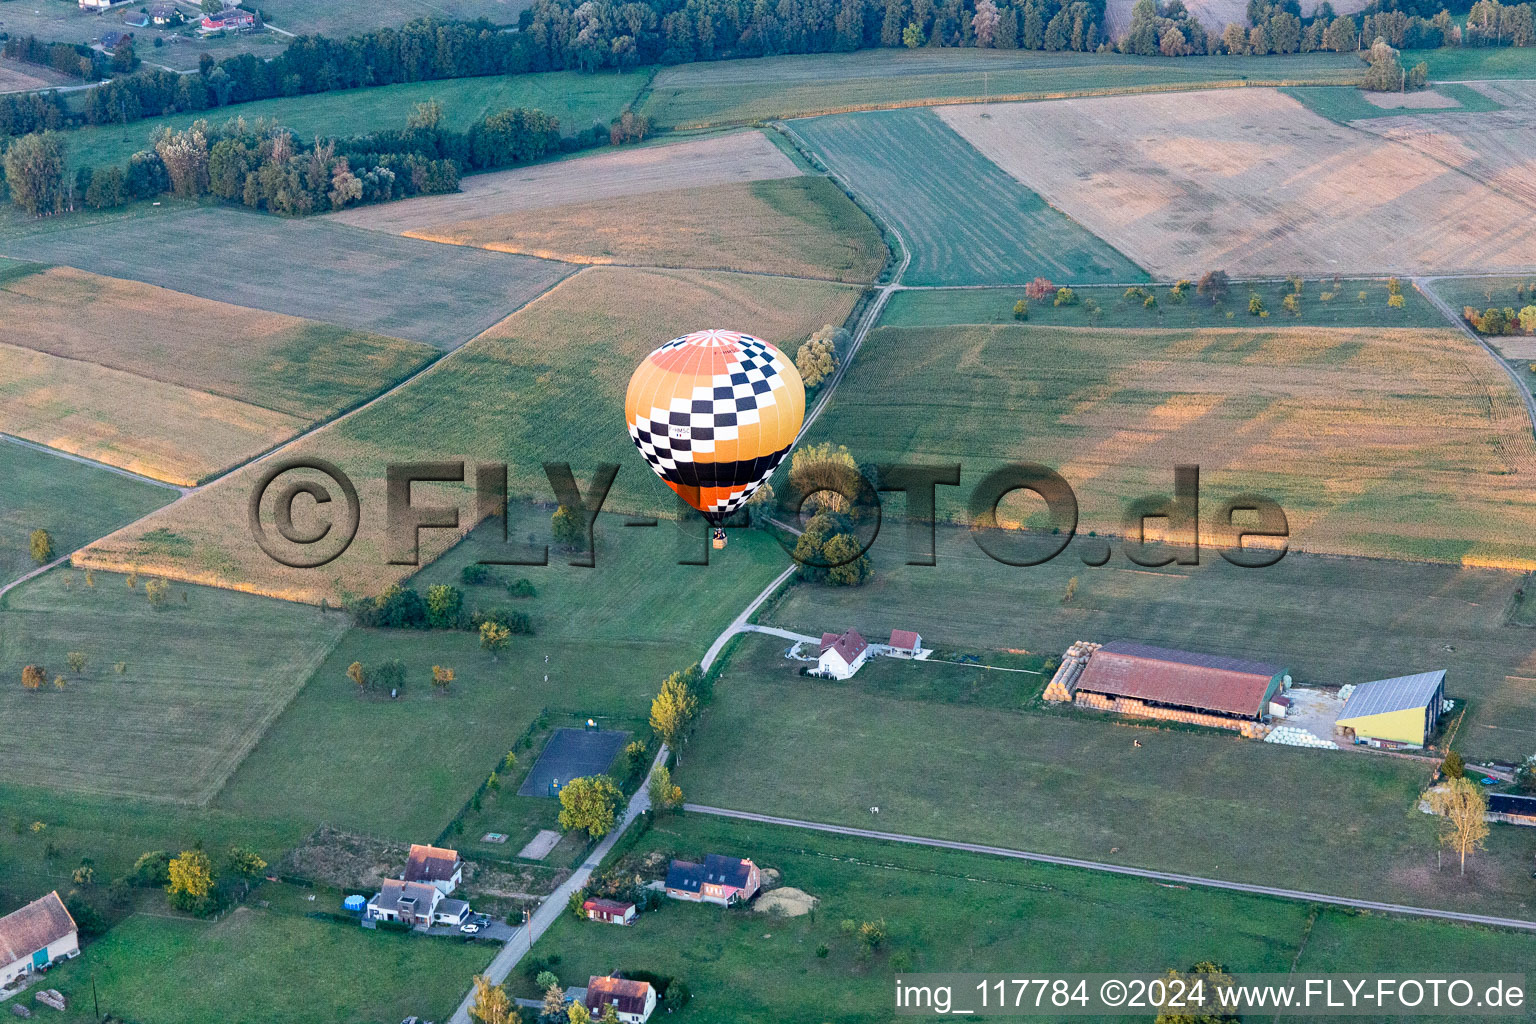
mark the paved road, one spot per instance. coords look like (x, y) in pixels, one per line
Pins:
(1120, 869)
(556, 902)
(787, 634)
(1424, 285)
(740, 622)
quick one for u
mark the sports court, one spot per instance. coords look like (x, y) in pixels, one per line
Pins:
(572, 754)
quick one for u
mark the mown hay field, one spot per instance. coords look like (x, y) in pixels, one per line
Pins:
(610, 633)
(1382, 442)
(1252, 182)
(741, 91)
(368, 281)
(203, 676)
(293, 366)
(803, 227)
(614, 174)
(1496, 147)
(1073, 783)
(577, 99)
(1330, 620)
(74, 502)
(545, 385)
(17, 77)
(965, 220)
(160, 430)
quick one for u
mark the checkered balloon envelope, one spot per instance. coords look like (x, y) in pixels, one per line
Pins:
(714, 413)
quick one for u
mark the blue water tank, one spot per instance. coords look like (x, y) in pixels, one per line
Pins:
(355, 904)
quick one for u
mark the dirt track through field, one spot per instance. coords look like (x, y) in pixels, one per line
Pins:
(1252, 182)
(742, 156)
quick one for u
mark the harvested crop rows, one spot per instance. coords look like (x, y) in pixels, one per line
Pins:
(803, 226)
(744, 156)
(965, 220)
(1382, 442)
(1251, 182)
(401, 287)
(532, 389)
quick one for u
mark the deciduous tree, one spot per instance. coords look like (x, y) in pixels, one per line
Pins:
(41, 545)
(34, 173)
(32, 677)
(1462, 805)
(442, 678)
(673, 710)
(492, 1005)
(664, 793)
(590, 804)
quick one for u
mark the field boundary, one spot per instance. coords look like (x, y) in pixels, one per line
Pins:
(1119, 869)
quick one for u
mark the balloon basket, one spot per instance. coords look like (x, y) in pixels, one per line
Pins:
(718, 541)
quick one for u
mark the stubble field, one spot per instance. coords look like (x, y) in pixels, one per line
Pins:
(965, 220)
(546, 384)
(803, 227)
(1251, 182)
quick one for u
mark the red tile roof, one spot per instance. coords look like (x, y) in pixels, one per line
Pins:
(849, 645)
(430, 864)
(904, 640)
(608, 906)
(33, 927)
(629, 995)
(1207, 682)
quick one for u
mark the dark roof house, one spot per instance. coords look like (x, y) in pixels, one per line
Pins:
(1182, 679)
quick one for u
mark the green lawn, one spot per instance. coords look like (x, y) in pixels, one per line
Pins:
(1074, 783)
(737, 92)
(1347, 103)
(74, 502)
(610, 634)
(948, 911)
(256, 965)
(1374, 441)
(965, 220)
(937, 307)
(1482, 292)
(202, 678)
(1477, 62)
(311, 16)
(576, 99)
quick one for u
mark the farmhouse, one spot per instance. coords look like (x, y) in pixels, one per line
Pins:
(412, 903)
(1155, 682)
(722, 880)
(35, 937)
(842, 654)
(905, 644)
(634, 1001)
(610, 911)
(1392, 713)
(230, 19)
(435, 866)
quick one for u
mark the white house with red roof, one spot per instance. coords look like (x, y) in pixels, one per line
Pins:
(435, 866)
(633, 1001)
(842, 654)
(36, 937)
(905, 644)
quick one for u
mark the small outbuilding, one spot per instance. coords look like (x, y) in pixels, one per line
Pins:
(1512, 809)
(842, 654)
(1393, 713)
(609, 911)
(905, 643)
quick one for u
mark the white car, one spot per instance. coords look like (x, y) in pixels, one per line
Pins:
(469, 929)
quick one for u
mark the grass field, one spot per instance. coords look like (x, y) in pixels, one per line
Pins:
(1072, 783)
(937, 307)
(721, 159)
(304, 268)
(804, 226)
(62, 22)
(298, 367)
(741, 91)
(946, 910)
(611, 633)
(259, 964)
(576, 99)
(310, 16)
(202, 678)
(546, 384)
(1330, 620)
(74, 502)
(1381, 442)
(1345, 103)
(1249, 181)
(1478, 62)
(965, 220)
(99, 413)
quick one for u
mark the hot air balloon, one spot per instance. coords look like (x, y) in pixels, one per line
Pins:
(714, 413)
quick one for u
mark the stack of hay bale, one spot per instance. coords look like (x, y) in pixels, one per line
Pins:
(1292, 736)
(1072, 664)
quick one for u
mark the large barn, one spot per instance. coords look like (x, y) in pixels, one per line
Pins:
(1158, 682)
(1399, 712)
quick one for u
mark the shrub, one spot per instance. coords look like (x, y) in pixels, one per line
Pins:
(1065, 297)
(521, 588)
(1021, 309)
(473, 574)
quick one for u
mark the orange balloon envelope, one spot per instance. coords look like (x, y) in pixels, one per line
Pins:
(714, 413)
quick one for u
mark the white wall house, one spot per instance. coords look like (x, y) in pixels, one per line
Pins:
(435, 866)
(634, 1001)
(38, 935)
(842, 654)
(412, 903)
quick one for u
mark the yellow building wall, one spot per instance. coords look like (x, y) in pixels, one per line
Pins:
(1406, 726)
